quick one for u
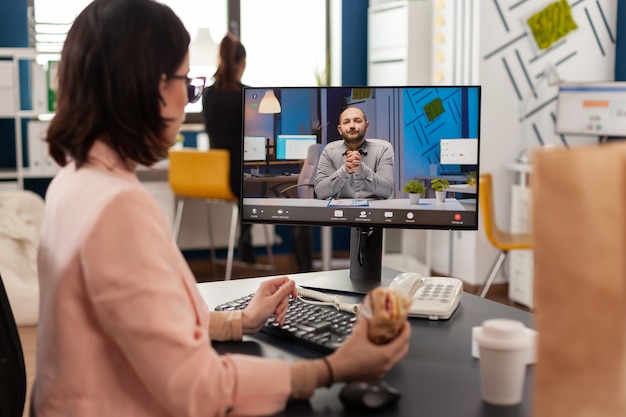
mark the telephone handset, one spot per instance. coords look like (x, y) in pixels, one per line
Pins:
(433, 297)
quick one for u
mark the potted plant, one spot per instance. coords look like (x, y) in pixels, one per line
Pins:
(440, 185)
(416, 190)
(471, 178)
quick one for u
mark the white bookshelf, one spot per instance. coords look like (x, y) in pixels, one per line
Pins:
(11, 108)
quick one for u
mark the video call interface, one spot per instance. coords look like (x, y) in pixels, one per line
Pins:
(431, 132)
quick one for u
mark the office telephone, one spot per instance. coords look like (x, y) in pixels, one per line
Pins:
(433, 297)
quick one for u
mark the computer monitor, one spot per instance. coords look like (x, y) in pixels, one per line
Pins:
(293, 147)
(254, 148)
(404, 140)
(592, 109)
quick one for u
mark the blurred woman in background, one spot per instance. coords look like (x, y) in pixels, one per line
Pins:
(222, 109)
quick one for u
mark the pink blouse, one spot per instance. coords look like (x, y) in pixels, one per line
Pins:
(123, 330)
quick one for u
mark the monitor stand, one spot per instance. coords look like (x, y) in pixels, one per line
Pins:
(366, 256)
(366, 252)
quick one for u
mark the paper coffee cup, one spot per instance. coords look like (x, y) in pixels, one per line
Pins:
(503, 345)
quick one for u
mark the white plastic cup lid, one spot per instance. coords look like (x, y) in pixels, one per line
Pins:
(505, 334)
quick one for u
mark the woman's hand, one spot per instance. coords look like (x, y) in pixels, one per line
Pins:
(272, 297)
(360, 359)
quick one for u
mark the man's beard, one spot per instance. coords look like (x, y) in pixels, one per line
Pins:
(353, 140)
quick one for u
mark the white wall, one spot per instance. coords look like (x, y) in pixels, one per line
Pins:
(455, 38)
(398, 41)
(488, 43)
(507, 58)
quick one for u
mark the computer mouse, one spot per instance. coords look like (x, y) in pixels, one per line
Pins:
(369, 395)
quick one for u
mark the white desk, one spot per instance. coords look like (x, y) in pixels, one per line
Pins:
(462, 188)
(384, 213)
(395, 212)
(451, 204)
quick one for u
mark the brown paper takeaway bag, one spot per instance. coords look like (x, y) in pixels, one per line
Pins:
(579, 223)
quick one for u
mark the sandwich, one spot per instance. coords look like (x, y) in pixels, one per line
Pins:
(387, 310)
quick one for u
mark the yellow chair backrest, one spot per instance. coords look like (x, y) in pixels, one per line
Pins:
(498, 237)
(200, 174)
(486, 206)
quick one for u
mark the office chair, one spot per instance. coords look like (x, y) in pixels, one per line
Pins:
(204, 175)
(12, 365)
(306, 179)
(504, 241)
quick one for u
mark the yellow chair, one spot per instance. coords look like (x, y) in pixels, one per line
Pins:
(504, 241)
(204, 175)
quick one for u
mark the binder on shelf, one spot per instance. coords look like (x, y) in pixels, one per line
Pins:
(39, 161)
(39, 88)
(50, 166)
(7, 104)
(36, 134)
(8, 186)
(52, 85)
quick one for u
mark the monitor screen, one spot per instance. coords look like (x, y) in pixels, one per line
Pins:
(293, 147)
(254, 148)
(592, 108)
(415, 132)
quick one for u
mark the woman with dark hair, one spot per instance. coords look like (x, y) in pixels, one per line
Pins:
(222, 108)
(123, 330)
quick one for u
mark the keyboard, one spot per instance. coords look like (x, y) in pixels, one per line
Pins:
(320, 327)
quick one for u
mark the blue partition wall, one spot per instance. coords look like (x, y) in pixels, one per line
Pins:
(13, 34)
(354, 42)
(13, 24)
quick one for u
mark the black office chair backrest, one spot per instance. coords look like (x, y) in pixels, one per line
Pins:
(12, 367)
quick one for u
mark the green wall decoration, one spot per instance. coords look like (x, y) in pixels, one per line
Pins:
(434, 109)
(552, 23)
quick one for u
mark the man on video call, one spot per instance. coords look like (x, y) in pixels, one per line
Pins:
(355, 167)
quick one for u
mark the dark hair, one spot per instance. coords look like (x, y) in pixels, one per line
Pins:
(232, 53)
(108, 80)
